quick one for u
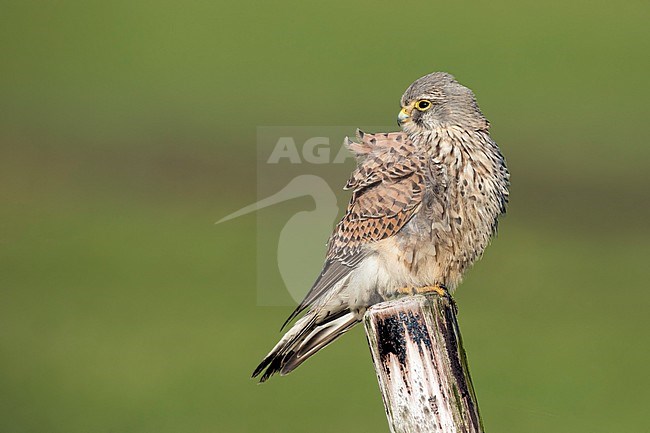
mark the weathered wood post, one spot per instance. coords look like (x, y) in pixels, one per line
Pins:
(421, 365)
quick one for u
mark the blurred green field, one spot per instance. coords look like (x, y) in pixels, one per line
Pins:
(128, 128)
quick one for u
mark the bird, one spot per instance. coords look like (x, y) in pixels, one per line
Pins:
(425, 202)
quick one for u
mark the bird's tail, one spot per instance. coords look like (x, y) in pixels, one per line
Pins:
(306, 337)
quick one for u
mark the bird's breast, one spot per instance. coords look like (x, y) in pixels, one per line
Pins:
(466, 185)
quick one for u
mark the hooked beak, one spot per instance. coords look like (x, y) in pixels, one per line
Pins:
(404, 115)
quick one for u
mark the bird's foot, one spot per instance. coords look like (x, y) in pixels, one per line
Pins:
(405, 291)
(440, 289)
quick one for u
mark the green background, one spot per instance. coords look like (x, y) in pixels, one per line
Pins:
(128, 127)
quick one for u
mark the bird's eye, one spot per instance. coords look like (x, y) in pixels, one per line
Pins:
(423, 105)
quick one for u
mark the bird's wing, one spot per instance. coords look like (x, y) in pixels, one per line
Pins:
(388, 186)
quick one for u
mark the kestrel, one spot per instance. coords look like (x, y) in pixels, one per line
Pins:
(425, 203)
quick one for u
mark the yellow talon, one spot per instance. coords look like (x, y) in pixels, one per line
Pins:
(438, 288)
(405, 291)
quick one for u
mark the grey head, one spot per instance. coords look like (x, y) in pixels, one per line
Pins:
(438, 100)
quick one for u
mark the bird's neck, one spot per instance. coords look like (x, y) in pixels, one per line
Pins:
(462, 153)
(453, 143)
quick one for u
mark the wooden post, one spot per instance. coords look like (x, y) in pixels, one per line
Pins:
(421, 365)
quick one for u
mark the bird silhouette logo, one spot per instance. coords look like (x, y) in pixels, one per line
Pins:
(304, 234)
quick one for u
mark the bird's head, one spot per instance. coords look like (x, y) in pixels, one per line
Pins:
(438, 100)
